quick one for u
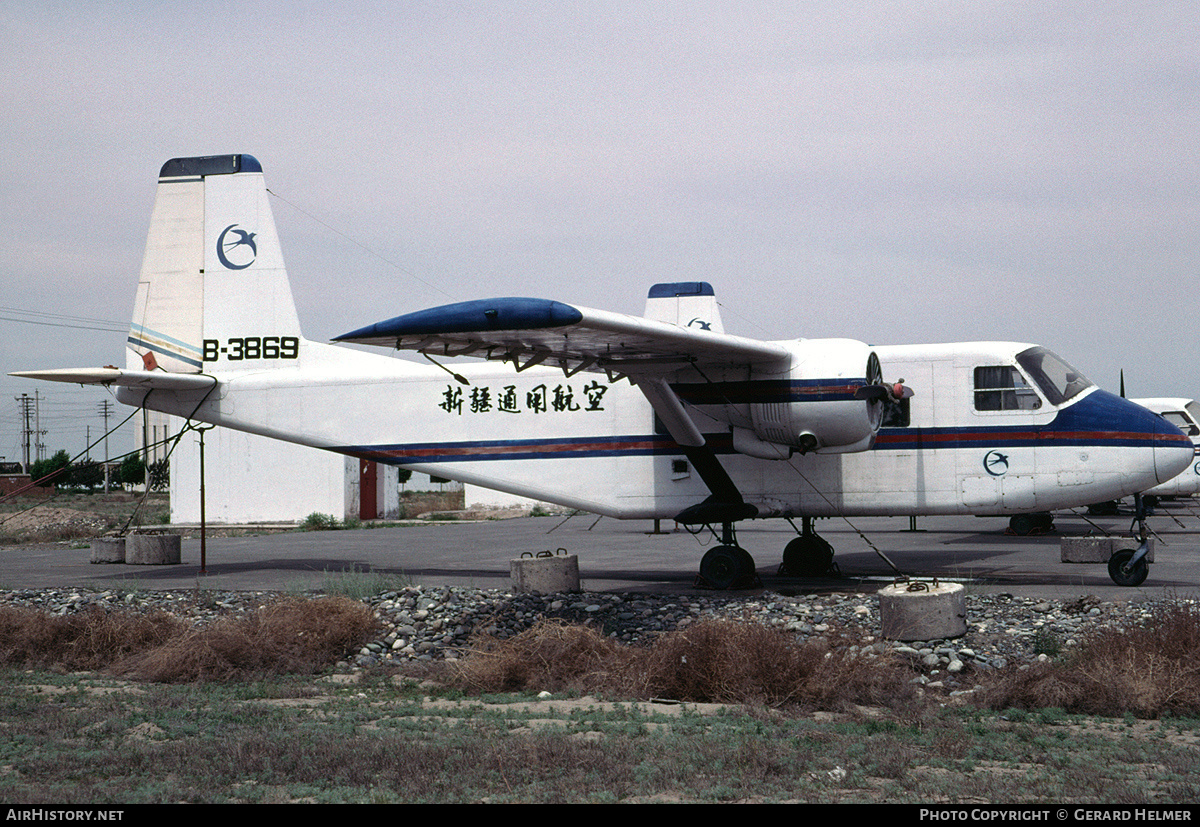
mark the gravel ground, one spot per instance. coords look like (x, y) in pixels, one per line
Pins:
(422, 624)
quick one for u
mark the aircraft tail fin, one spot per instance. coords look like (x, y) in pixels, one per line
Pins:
(213, 286)
(685, 304)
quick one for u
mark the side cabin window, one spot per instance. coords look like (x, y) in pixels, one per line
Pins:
(1003, 388)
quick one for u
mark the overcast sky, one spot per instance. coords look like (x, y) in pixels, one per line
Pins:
(891, 172)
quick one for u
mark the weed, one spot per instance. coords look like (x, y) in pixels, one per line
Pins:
(358, 584)
(317, 521)
(290, 636)
(1046, 642)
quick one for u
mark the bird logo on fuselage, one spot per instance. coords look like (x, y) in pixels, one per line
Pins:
(995, 463)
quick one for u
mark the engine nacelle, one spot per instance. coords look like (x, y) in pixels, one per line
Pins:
(822, 409)
(817, 401)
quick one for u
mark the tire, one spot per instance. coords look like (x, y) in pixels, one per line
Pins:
(807, 556)
(723, 566)
(1022, 525)
(1125, 575)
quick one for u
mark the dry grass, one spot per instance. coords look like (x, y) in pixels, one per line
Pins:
(86, 641)
(712, 661)
(1149, 671)
(292, 635)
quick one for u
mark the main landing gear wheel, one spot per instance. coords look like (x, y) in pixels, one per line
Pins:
(1124, 572)
(1023, 525)
(807, 556)
(724, 567)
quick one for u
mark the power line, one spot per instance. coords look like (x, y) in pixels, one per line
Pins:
(43, 318)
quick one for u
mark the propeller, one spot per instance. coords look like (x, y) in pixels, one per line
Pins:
(880, 391)
(876, 390)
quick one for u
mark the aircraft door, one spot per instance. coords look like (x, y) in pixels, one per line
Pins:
(996, 462)
(368, 490)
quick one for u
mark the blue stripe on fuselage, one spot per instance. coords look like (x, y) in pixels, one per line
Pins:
(767, 391)
(1100, 419)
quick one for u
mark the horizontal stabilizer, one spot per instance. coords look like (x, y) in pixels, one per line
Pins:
(122, 378)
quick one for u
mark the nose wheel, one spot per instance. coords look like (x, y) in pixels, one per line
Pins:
(808, 556)
(1129, 567)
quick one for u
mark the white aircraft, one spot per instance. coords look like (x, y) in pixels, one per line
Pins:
(1184, 414)
(709, 429)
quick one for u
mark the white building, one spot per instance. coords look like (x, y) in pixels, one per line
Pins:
(253, 479)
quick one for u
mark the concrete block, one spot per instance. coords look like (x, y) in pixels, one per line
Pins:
(1086, 549)
(1098, 549)
(545, 573)
(108, 550)
(154, 549)
(923, 611)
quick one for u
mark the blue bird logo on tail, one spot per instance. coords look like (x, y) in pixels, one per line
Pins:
(235, 249)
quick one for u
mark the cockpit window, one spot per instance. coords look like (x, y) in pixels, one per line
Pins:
(1057, 379)
(1193, 409)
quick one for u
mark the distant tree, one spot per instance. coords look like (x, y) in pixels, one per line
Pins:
(160, 474)
(133, 470)
(43, 467)
(85, 475)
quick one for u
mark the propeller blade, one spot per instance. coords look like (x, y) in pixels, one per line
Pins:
(879, 392)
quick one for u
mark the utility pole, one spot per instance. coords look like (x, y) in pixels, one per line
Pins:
(106, 409)
(26, 405)
(39, 445)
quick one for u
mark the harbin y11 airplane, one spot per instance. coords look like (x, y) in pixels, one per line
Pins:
(1184, 414)
(660, 416)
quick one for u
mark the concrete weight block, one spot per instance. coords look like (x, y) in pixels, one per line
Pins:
(108, 550)
(1098, 549)
(154, 550)
(923, 611)
(545, 573)
(1086, 549)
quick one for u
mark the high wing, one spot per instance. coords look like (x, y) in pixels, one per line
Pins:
(143, 379)
(531, 332)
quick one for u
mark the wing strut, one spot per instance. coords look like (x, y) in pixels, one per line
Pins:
(726, 504)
